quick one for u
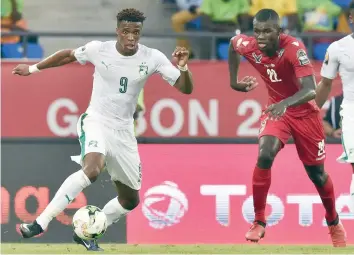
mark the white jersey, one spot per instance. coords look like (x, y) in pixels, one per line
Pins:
(119, 79)
(340, 58)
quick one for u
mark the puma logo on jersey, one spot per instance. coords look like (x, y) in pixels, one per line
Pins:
(348, 56)
(103, 63)
(245, 43)
(296, 44)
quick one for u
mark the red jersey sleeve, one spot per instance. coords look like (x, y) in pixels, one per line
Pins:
(240, 43)
(297, 56)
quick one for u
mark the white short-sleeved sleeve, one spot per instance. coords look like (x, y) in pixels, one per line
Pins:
(87, 52)
(330, 64)
(165, 68)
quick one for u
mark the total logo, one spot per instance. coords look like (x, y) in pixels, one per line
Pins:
(176, 204)
(164, 205)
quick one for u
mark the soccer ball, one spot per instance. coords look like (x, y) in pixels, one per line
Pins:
(90, 222)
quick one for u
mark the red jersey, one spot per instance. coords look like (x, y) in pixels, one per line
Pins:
(280, 72)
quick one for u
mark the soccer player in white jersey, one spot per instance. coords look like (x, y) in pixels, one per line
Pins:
(340, 58)
(106, 130)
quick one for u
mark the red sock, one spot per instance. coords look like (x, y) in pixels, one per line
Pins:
(261, 183)
(326, 193)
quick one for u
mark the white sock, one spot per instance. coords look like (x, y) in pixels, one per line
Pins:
(352, 192)
(67, 192)
(114, 211)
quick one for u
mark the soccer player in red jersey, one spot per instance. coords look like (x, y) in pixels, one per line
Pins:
(288, 74)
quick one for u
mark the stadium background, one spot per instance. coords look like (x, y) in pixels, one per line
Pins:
(197, 151)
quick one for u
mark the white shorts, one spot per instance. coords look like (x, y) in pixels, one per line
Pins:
(347, 125)
(119, 147)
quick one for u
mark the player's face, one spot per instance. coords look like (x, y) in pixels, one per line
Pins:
(128, 36)
(267, 35)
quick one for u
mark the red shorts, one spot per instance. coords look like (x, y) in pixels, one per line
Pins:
(307, 132)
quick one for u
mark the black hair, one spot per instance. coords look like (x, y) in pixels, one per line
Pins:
(267, 14)
(131, 15)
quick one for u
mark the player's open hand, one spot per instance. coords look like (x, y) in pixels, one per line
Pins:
(22, 70)
(248, 83)
(275, 111)
(182, 55)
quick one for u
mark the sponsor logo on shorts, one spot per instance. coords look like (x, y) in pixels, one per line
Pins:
(175, 210)
(321, 150)
(263, 124)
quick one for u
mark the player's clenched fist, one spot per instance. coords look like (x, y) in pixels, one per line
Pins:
(181, 54)
(21, 69)
(275, 111)
(248, 83)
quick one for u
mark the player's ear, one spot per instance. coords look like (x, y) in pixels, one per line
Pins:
(117, 30)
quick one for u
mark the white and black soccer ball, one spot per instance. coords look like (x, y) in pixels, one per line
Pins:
(89, 222)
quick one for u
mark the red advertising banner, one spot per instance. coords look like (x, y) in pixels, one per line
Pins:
(207, 196)
(49, 103)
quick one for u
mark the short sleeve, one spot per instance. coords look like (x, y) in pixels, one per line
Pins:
(86, 53)
(239, 43)
(165, 68)
(297, 55)
(330, 64)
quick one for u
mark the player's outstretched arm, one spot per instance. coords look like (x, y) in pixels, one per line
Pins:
(59, 58)
(247, 83)
(305, 94)
(185, 81)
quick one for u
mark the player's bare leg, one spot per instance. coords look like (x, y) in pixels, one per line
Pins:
(93, 164)
(324, 186)
(269, 146)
